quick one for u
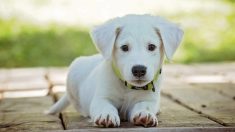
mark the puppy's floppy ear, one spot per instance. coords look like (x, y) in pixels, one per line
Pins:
(104, 37)
(171, 36)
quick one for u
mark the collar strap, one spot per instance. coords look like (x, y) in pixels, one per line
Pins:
(149, 86)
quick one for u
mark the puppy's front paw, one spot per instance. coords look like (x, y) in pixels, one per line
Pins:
(145, 119)
(107, 120)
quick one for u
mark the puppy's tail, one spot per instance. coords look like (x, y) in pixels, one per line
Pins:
(59, 105)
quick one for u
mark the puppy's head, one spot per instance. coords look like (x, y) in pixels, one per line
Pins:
(136, 44)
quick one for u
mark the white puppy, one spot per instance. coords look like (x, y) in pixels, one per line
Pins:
(123, 82)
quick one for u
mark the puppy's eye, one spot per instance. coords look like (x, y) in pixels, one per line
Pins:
(125, 48)
(151, 47)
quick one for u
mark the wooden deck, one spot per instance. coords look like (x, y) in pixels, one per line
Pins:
(199, 97)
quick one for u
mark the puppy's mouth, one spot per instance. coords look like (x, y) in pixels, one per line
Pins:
(139, 82)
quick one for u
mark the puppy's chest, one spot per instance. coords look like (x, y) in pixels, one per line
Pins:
(127, 101)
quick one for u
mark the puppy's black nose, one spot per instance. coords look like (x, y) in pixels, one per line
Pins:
(139, 70)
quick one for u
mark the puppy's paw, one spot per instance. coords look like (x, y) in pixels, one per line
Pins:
(144, 118)
(107, 120)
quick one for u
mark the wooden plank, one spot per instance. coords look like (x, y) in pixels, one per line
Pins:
(205, 78)
(172, 115)
(3, 75)
(57, 76)
(28, 121)
(217, 68)
(182, 77)
(28, 93)
(2, 86)
(199, 73)
(24, 79)
(202, 68)
(167, 129)
(58, 89)
(25, 73)
(3, 79)
(31, 83)
(27, 114)
(22, 105)
(230, 76)
(202, 100)
(226, 89)
(1, 95)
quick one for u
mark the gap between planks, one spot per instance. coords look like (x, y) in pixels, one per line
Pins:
(50, 85)
(55, 99)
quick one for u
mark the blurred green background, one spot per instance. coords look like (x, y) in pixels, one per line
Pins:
(209, 37)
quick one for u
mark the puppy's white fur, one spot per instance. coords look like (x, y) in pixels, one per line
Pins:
(95, 90)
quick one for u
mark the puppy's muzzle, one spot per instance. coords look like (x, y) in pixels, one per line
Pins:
(139, 70)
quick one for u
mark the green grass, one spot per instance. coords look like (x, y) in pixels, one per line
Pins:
(24, 45)
(209, 38)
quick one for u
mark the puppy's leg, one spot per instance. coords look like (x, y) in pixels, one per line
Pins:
(144, 113)
(103, 113)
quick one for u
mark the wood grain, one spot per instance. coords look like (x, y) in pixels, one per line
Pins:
(209, 102)
(27, 114)
(226, 89)
(174, 115)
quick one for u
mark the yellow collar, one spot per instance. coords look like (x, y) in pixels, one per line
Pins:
(149, 86)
